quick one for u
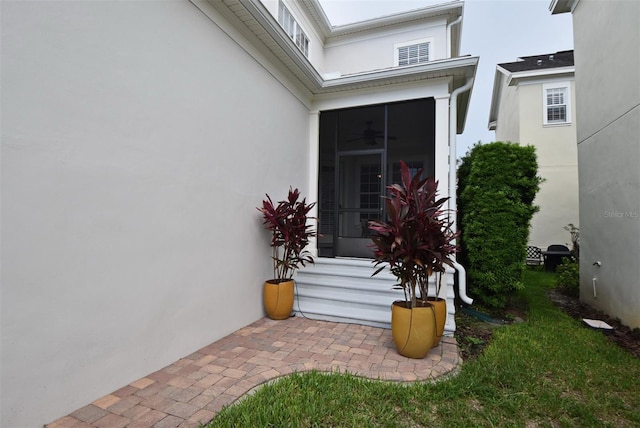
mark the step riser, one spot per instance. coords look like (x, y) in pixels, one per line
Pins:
(343, 290)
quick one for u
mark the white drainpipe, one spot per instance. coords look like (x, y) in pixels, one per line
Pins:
(450, 43)
(453, 120)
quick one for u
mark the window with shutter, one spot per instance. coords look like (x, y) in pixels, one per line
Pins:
(556, 104)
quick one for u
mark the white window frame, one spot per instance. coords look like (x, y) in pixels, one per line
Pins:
(292, 28)
(398, 46)
(565, 87)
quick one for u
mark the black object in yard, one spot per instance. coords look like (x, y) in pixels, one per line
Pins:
(553, 256)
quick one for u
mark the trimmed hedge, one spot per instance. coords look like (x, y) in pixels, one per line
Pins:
(497, 184)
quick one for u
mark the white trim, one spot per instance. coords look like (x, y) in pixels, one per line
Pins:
(516, 77)
(566, 85)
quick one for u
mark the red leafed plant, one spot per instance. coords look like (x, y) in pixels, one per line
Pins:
(416, 240)
(290, 233)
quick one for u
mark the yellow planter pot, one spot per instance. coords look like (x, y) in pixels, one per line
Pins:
(413, 330)
(278, 299)
(440, 307)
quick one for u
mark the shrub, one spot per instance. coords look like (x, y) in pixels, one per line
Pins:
(497, 185)
(568, 280)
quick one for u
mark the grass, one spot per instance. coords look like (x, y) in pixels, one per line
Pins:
(546, 371)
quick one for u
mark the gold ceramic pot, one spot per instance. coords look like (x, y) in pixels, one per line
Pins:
(413, 330)
(440, 307)
(278, 299)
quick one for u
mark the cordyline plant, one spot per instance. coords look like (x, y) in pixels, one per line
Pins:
(416, 240)
(290, 233)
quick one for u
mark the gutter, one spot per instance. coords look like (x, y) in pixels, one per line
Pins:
(453, 120)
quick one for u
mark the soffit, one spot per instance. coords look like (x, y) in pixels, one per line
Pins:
(562, 6)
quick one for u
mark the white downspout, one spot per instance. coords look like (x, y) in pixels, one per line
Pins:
(453, 121)
(462, 283)
(449, 42)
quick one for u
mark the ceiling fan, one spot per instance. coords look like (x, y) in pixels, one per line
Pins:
(370, 135)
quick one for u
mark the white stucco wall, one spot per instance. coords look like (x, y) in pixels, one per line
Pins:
(137, 140)
(556, 151)
(372, 51)
(606, 37)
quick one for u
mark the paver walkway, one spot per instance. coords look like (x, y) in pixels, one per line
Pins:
(192, 390)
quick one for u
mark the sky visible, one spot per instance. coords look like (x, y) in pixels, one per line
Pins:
(495, 30)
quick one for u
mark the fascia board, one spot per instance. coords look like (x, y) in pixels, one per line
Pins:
(495, 97)
(316, 11)
(463, 67)
(516, 78)
(276, 32)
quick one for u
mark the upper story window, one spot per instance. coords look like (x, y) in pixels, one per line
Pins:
(556, 103)
(292, 28)
(415, 52)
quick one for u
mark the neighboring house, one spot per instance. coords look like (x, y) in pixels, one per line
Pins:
(137, 140)
(533, 104)
(606, 39)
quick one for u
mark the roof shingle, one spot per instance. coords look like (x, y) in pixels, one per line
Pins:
(539, 62)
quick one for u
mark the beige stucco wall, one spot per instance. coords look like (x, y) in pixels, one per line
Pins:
(508, 125)
(521, 120)
(556, 151)
(134, 154)
(606, 37)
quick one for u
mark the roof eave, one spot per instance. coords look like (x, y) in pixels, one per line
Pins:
(562, 6)
(515, 78)
(495, 97)
(464, 67)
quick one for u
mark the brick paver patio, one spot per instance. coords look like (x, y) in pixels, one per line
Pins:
(192, 390)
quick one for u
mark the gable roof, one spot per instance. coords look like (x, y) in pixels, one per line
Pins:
(540, 62)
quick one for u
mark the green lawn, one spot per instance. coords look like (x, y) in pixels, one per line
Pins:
(548, 371)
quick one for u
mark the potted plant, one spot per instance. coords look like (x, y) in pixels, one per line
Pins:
(290, 233)
(414, 242)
